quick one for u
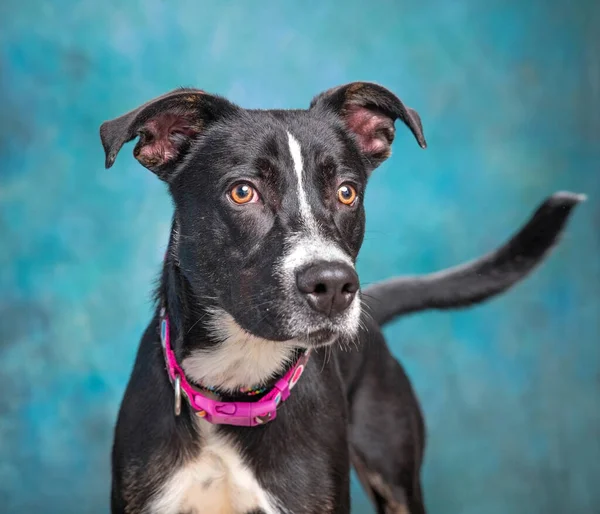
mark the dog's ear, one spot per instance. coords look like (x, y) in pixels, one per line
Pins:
(369, 111)
(166, 127)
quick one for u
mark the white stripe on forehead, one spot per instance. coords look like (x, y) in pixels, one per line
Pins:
(311, 245)
(305, 211)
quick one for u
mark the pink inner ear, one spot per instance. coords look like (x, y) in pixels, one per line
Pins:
(367, 125)
(163, 137)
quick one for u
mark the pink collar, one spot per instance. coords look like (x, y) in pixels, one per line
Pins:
(244, 414)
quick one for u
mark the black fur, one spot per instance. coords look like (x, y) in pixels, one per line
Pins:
(349, 406)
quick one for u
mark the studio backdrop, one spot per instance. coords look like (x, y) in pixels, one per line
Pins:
(509, 97)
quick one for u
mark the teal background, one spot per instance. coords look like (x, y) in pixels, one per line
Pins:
(509, 96)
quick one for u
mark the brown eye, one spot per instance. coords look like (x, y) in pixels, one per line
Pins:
(346, 194)
(243, 193)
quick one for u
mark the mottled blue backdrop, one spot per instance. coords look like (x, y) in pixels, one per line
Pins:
(509, 96)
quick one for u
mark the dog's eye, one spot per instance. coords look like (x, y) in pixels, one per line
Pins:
(243, 193)
(346, 194)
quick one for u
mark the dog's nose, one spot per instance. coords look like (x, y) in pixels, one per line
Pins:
(329, 287)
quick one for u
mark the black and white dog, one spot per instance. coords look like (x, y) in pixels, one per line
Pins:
(258, 285)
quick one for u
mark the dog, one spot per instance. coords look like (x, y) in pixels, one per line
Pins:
(264, 375)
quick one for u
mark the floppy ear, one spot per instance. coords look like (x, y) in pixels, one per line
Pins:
(166, 127)
(369, 111)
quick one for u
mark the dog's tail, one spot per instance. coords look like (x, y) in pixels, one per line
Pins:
(478, 280)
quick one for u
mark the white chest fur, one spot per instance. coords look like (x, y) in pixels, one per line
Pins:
(217, 481)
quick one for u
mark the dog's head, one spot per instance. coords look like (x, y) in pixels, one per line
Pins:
(269, 213)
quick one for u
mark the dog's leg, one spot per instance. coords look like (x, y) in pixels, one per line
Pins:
(386, 432)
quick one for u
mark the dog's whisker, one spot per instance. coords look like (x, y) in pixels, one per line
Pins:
(197, 321)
